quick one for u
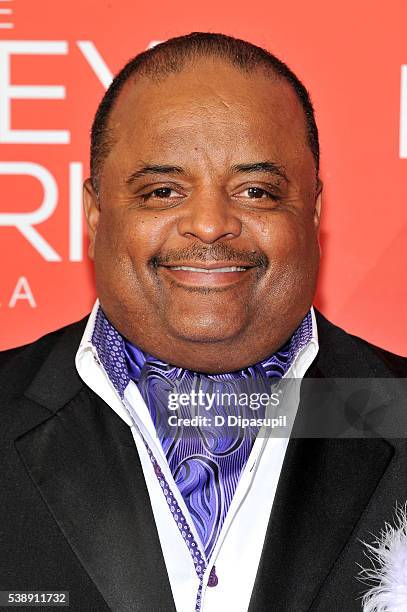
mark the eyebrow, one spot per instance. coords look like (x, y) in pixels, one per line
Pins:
(267, 167)
(154, 169)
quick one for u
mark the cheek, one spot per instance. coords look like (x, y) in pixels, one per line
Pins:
(146, 235)
(121, 251)
(287, 238)
(110, 235)
(113, 264)
(120, 237)
(292, 249)
(125, 242)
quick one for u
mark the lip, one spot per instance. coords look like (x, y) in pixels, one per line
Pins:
(205, 278)
(209, 265)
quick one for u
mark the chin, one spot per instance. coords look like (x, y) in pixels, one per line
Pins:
(205, 331)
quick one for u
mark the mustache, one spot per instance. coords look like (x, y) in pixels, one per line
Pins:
(216, 252)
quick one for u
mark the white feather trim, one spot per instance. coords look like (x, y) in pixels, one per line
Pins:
(387, 574)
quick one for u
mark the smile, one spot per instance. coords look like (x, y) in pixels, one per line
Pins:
(211, 275)
(207, 271)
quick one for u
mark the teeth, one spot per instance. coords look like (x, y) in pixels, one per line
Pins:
(206, 271)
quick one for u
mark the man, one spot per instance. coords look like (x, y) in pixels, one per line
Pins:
(203, 210)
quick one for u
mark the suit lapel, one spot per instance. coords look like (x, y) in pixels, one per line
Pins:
(85, 464)
(318, 503)
(324, 487)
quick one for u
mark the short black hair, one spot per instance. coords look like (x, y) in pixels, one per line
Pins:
(170, 57)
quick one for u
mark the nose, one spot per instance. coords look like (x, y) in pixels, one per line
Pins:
(209, 217)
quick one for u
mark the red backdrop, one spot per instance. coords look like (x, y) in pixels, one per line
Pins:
(56, 59)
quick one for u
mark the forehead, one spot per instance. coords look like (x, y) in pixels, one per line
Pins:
(213, 108)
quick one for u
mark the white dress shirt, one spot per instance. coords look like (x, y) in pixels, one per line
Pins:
(239, 546)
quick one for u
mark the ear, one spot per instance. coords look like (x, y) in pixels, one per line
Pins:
(92, 211)
(318, 204)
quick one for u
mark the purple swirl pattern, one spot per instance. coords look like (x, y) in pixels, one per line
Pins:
(198, 481)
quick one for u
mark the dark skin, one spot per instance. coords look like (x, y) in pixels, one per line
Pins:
(210, 169)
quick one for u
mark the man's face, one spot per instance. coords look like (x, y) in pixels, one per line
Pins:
(210, 170)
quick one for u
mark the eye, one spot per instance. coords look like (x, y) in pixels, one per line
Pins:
(257, 193)
(162, 193)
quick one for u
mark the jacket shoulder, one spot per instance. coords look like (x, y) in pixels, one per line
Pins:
(18, 366)
(339, 345)
(396, 363)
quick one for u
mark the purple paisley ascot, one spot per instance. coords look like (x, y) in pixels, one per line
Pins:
(206, 460)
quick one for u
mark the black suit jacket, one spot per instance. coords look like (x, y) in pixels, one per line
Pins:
(76, 515)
